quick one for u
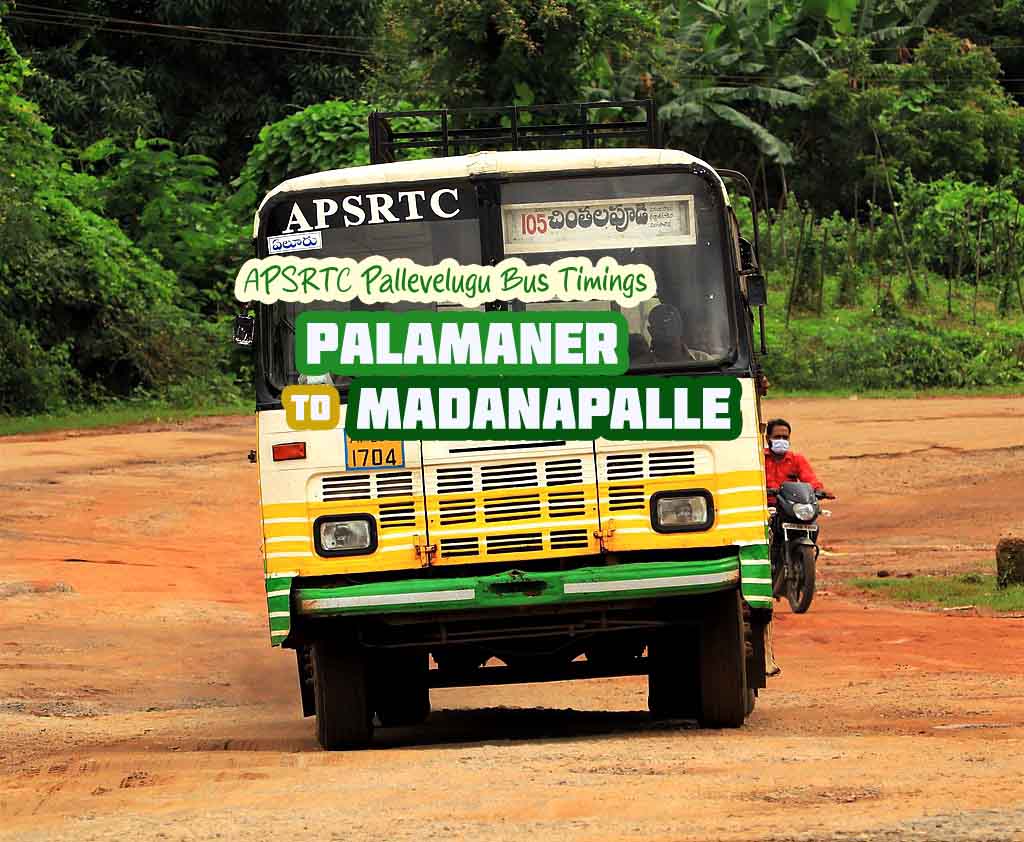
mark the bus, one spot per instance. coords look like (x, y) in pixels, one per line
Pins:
(396, 567)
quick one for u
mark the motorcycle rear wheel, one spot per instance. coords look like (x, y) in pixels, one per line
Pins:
(800, 587)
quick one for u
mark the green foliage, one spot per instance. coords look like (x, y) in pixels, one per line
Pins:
(126, 197)
(891, 350)
(211, 92)
(328, 136)
(171, 206)
(944, 112)
(90, 98)
(83, 312)
(725, 72)
(475, 52)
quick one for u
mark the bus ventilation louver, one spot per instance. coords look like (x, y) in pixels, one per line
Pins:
(567, 539)
(518, 475)
(459, 547)
(455, 481)
(626, 498)
(367, 486)
(397, 514)
(515, 507)
(460, 510)
(563, 472)
(630, 466)
(566, 504)
(520, 542)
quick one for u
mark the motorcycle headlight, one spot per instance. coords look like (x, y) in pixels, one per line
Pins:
(681, 511)
(804, 511)
(345, 535)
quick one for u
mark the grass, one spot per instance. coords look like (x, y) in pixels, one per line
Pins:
(975, 589)
(113, 415)
(1008, 391)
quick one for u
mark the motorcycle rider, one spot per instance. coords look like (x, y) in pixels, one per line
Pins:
(783, 465)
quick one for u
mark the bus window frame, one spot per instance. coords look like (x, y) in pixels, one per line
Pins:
(730, 257)
(488, 195)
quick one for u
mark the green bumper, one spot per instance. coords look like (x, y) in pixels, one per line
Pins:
(515, 588)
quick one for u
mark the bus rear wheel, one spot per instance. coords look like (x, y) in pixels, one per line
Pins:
(723, 664)
(343, 716)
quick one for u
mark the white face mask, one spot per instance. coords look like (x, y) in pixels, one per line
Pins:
(779, 446)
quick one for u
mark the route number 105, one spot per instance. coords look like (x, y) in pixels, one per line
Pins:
(533, 223)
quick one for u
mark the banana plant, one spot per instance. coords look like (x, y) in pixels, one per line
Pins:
(730, 68)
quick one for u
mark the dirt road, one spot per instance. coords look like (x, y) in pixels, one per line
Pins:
(139, 698)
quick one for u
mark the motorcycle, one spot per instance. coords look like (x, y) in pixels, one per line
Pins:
(794, 542)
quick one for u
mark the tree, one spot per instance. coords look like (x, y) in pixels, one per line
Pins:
(209, 88)
(497, 52)
(83, 312)
(728, 67)
(943, 112)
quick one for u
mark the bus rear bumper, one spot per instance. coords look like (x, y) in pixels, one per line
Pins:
(515, 588)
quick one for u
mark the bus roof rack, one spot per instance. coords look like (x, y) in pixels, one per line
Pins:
(514, 127)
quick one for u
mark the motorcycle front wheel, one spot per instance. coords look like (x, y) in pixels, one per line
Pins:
(800, 587)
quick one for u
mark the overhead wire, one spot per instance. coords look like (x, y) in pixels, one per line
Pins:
(285, 41)
(249, 43)
(39, 8)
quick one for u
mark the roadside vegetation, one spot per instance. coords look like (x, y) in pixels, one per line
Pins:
(883, 139)
(960, 591)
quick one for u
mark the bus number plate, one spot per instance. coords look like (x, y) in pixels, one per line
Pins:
(373, 455)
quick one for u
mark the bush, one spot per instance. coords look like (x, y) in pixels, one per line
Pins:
(891, 352)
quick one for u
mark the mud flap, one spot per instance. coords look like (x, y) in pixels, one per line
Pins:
(757, 665)
(305, 665)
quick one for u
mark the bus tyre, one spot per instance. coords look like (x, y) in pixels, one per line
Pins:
(343, 717)
(673, 683)
(400, 691)
(723, 663)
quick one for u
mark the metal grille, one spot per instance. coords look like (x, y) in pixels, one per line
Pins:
(519, 475)
(624, 466)
(397, 514)
(626, 498)
(563, 471)
(566, 504)
(663, 463)
(670, 463)
(492, 511)
(455, 480)
(457, 511)
(565, 539)
(520, 542)
(366, 486)
(459, 547)
(515, 507)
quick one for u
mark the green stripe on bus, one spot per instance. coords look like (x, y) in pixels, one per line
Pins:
(756, 589)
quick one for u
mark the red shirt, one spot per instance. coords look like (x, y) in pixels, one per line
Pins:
(790, 468)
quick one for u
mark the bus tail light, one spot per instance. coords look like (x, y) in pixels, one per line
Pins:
(290, 450)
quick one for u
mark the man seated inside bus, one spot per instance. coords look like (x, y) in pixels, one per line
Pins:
(665, 325)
